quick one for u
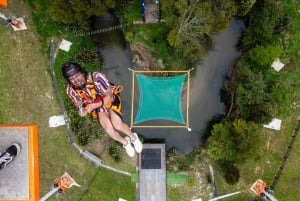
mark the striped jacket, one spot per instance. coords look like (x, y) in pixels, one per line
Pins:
(97, 85)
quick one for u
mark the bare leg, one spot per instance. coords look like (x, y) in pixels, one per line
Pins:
(105, 122)
(120, 125)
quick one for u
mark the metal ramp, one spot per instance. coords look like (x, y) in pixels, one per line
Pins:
(152, 173)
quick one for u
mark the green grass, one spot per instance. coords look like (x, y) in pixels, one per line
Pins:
(85, 129)
(27, 97)
(292, 40)
(122, 187)
(172, 178)
(153, 36)
(131, 11)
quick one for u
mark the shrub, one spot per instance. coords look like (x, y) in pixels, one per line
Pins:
(264, 18)
(230, 172)
(114, 151)
(263, 56)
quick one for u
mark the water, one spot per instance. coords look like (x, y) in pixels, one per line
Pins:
(205, 86)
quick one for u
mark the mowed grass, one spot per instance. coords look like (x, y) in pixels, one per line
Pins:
(288, 185)
(27, 97)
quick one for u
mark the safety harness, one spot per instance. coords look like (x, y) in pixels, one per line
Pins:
(96, 98)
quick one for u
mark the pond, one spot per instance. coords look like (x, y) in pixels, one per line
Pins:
(205, 86)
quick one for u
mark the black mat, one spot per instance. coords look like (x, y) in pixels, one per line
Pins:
(151, 159)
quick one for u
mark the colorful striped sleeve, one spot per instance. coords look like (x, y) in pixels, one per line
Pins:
(74, 96)
(101, 81)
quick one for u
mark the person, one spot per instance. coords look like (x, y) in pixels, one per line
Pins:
(9, 155)
(269, 189)
(264, 196)
(12, 21)
(94, 93)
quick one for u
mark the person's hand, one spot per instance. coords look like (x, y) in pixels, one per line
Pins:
(83, 111)
(108, 99)
(89, 108)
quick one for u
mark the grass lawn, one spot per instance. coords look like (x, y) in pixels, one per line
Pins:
(27, 97)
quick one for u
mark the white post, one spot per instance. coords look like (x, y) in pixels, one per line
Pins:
(224, 196)
(3, 16)
(270, 196)
(49, 194)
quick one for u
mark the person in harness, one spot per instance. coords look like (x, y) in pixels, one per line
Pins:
(92, 93)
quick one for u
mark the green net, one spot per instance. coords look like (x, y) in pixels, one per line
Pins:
(160, 98)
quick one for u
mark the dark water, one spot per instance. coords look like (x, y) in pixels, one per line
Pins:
(205, 86)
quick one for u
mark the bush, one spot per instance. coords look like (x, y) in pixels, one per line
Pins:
(230, 172)
(88, 56)
(129, 36)
(252, 96)
(180, 162)
(114, 151)
(263, 56)
(234, 140)
(264, 18)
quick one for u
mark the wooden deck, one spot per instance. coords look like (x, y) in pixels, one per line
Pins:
(152, 173)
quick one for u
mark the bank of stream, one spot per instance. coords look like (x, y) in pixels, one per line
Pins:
(205, 86)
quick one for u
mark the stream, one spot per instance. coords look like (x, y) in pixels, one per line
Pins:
(205, 103)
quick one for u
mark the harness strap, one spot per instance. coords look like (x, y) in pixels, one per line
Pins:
(84, 96)
(116, 105)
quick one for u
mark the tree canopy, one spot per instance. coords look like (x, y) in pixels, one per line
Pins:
(234, 141)
(264, 55)
(244, 6)
(77, 11)
(264, 18)
(251, 96)
(194, 23)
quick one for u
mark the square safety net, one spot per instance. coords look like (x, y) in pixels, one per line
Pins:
(157, 98)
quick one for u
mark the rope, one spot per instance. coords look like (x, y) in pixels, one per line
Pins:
(103, 30)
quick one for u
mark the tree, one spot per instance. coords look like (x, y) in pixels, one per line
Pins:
(244, 6)
(230, 172)
(194, 23)
(194, 20)
(77, 11)
(191, 25)
(252, 98)
(234, 141)
(265, 16)
(264, 55)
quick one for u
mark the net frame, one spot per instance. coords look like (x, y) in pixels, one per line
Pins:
(186, 125)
